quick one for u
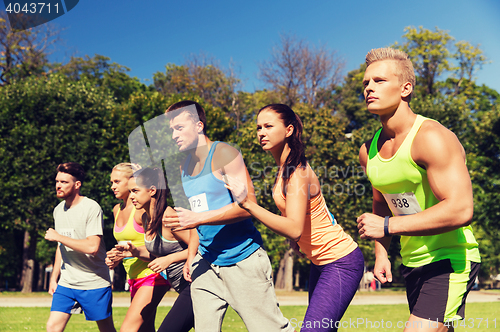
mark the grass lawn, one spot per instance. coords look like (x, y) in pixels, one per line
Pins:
(357, 318)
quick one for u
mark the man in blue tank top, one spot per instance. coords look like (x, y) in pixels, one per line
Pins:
(226, 262)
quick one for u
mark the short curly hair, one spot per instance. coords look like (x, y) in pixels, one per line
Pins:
(74, 169)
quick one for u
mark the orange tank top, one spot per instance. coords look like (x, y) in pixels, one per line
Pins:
(323, 240)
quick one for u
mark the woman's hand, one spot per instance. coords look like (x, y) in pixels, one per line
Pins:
(112, 263)
(159, 264)
(296, 248)
(125, 250)
(237, 188)
(113, 256)
(186, 270)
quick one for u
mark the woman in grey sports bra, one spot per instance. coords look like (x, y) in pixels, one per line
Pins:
(160, 247)
(167, 250)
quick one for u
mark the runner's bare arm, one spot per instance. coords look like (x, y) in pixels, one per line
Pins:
(439, 151)
(89, 246)
(292, 223)
(228, 161)
(56, 271)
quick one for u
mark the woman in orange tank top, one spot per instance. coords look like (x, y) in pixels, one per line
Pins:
(337, 262)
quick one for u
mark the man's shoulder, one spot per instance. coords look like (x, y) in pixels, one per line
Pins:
(90, 207)
(224, 153)
(225, 148)
(434, 142)
(90, 202)
(431, 132)
(59, 206)
(429, 124)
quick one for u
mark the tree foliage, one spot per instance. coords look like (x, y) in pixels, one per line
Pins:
(433, 54)
(348, 102)
(429, 52)
(24, 53)
(204, 77)
(45, 121)
(99, 70)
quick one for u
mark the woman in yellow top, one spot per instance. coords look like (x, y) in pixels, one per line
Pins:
(146, 287)
(337, 262)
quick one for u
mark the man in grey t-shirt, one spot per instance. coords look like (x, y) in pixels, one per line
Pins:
(80, 255)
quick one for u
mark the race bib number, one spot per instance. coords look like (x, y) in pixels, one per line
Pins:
(403, 204)
(199, 203)
(69, 232)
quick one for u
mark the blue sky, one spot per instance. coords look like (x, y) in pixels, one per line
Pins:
(146, 35)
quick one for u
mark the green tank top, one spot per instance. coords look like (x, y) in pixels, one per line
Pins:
(135, 267)
(406, 189)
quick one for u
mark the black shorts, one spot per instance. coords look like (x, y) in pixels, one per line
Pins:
(437, 291)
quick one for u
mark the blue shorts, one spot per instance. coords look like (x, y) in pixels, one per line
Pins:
(96, 303)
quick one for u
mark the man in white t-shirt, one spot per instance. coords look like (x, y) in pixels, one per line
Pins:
(79, 262)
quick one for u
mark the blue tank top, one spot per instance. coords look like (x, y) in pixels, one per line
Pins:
(221, 245)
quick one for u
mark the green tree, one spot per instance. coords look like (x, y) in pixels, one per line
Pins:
(204, 77)
(483, 160)
(470, 58)
(429, 52)
(348, 102)
(103, 73)
(45, 121)
(24, 53)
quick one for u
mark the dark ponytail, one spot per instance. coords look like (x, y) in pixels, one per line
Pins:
(296, 157)
(147, 178)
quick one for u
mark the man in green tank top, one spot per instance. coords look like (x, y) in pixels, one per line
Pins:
(422, 192)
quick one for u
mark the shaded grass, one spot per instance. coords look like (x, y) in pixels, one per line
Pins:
(358, 318)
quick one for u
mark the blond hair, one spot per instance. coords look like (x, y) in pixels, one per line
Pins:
(127, 168)
(404, 68)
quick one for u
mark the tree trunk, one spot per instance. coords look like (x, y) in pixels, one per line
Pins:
(29, 247)
(41, 277)
(284, 278)
(279, 284)
(297, 278)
